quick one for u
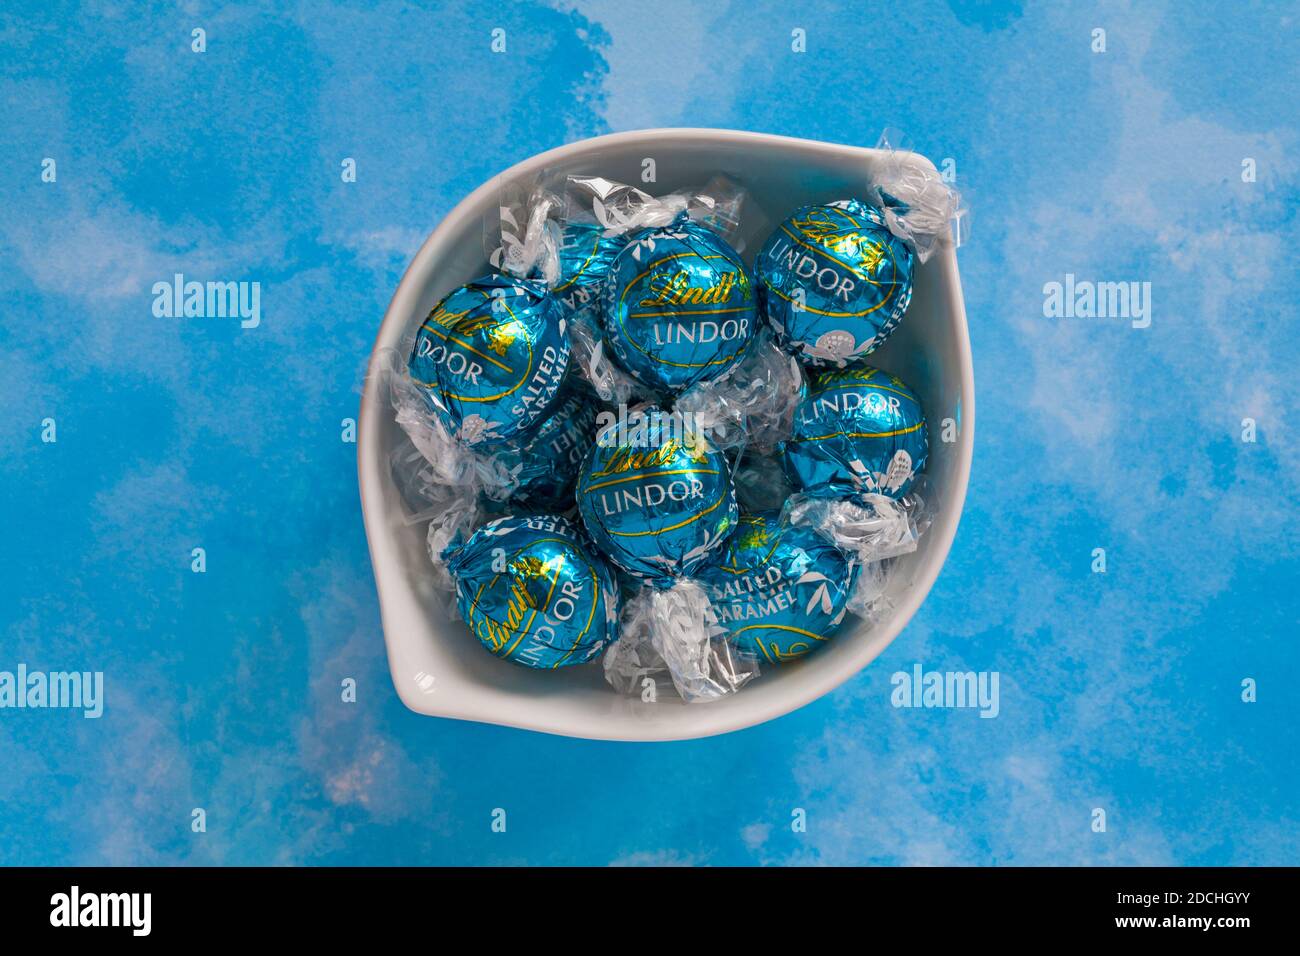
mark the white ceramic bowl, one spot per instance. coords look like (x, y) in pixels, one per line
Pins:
(439, 668)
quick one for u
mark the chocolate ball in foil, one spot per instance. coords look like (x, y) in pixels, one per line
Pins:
(546, 462)
(533, 594)
(780, 590)
(656, 497)
(834, 281)
(586, 254)
(678, 306)
(857, 431)
(491, 358)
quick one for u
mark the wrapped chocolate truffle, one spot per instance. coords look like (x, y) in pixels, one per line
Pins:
(655, 496)
(491, 357)
(657, 500)
(857, 431)
(532, 593)
(678, 306)
(856, 453)
(834, 281)
(780, 590)
(545, 466)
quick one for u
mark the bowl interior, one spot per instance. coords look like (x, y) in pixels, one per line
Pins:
(438, 667)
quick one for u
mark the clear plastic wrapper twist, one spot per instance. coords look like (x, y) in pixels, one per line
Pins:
(869, 599)
(752, 404)
(450, 526)
(527, 239)
(566, 231)
(620, 209)
(673, 633)
(449, 461)
(607, 379)
(872, 528)
(439, 479)
(918, 206)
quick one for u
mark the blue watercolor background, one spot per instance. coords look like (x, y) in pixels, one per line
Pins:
(1120, 691)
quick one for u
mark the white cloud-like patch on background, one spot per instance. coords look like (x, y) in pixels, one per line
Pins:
(661, 65)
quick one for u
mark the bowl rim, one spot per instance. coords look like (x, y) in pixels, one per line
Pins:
(370, 475)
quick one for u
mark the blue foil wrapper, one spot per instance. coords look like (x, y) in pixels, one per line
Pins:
(834, 281)
(551, 454)
(533, 594)
(586, 254)
(780, 590)
(491, 358)
(678, 306)
(656, 499)
(857, 431)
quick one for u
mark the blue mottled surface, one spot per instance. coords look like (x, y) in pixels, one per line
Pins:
(1119, 691)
